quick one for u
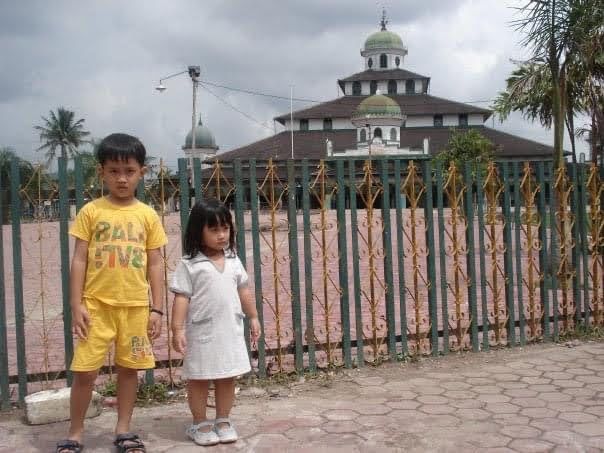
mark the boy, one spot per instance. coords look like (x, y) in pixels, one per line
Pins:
(116, 258)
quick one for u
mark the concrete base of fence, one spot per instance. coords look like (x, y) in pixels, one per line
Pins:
(51, 406)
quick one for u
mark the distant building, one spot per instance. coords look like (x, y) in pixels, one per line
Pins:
(385, 110)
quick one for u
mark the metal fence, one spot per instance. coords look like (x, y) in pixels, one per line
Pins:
(352, 260)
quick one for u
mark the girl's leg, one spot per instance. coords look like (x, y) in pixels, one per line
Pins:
(198, 399)
(225, 395)
(127, 386)
(81, 393)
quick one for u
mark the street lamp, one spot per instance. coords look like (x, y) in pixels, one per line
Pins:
(194, 72)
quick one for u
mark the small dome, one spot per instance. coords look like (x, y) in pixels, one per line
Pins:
(203, 137)
(384, 39)
(378, 105)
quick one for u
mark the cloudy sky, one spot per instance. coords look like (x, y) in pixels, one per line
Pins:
(102, 59)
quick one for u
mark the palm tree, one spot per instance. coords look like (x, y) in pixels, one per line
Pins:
(529, 90)
(556, 30)
(60, 131)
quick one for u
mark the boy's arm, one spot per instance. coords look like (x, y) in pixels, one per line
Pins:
(155, 277)
(77, 276)
(248, 305)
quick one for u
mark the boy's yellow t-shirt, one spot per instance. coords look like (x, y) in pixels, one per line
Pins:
(118, 239)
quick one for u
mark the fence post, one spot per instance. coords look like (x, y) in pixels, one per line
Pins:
(343, 264)
(64, 241)
(183, 182)
(15, 180)
(507, 258)
(294, 275)
(431, 257)
(518, 252)
(4, 371)
(470, 257)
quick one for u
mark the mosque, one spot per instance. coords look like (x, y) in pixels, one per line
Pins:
(385, 110)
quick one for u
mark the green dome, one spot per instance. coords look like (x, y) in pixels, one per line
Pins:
(378, 105)
(203, 138)
(384, 40)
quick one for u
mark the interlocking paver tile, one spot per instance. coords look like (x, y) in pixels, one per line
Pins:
(578, 417)
(502, 408)
(554, 396)
(521, 393)
(511, 419)
(455, 385)
(436, 409)
(494, 398)
(472, 414)
(539, 412)
(520, 431)
(432, 399)
(403, 404)
(459, 394)
(340, 414)
(305, 434)
(590, 429)
(589, 379)
(528, 402)
(551, 423)
(491, 440)
(566, 406)
(531, 445)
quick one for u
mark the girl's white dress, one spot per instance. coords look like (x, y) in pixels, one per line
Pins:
(214, 327)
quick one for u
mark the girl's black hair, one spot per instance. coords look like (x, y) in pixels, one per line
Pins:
(207, 212)
(121, 147)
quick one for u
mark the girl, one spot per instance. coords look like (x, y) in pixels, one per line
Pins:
(210, 286)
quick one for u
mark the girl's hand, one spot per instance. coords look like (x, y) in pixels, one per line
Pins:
(80, 321)
(254, 329)
(179, 341)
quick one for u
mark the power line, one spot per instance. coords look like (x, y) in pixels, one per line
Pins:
(233, 107)
(315, 101)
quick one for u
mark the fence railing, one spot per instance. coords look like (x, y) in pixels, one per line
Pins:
(352, 261)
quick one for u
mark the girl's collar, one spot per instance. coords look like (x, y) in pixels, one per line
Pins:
(202, 257)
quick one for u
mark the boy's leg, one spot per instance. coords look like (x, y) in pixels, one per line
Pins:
(127, 386)
(197, 397)
(81, 393)
(225, 395)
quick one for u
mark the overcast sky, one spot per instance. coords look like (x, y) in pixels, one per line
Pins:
(102, 59)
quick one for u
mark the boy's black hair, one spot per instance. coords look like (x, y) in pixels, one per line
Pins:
(206, 212)
(121, 147)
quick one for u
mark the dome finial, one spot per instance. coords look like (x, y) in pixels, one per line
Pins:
(384, 21)
(200, 123)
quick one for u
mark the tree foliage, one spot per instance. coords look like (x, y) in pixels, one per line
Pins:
(466, 146)
(62, 132)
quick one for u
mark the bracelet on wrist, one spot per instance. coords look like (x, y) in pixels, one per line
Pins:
(159, 312)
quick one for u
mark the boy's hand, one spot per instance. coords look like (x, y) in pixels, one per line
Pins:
(154, 325)
(179, 341)
(80, 321)
(254, 329)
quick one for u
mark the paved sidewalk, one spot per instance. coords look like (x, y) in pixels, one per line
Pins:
(532, 399)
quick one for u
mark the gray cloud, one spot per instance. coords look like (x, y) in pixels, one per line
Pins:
(103, 58)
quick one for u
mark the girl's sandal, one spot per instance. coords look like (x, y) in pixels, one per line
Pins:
(69, 446)
(129, 442)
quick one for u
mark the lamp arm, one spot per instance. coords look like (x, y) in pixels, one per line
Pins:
(172, 75)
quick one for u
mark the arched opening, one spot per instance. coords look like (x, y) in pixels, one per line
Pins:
(393, 134)
(397, 61)
(363, 136)
(391, 86)
(370, 63)
(377, 132)
(327, 124)
(373, 87)
(383, 60)
(410, 86)
(356, 88)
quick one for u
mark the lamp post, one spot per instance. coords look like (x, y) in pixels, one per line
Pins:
(194, 72)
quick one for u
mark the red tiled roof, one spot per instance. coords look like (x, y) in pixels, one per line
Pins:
(311, 144)
(393, 74)
(411, 104)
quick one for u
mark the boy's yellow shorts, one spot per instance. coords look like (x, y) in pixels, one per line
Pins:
(124, 326)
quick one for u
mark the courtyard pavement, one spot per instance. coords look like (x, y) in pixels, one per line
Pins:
(539, 398)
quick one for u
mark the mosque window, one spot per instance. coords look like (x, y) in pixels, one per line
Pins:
(463, 119)
(410, 86)
(383, 60)
(303, 125)
(327, 124)
(356, 88)
(377, 132)
(397, 61)
(370, 63)
(393, 134)
(363, 136)
(372, 87)
(438, 120)
(391, 86)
